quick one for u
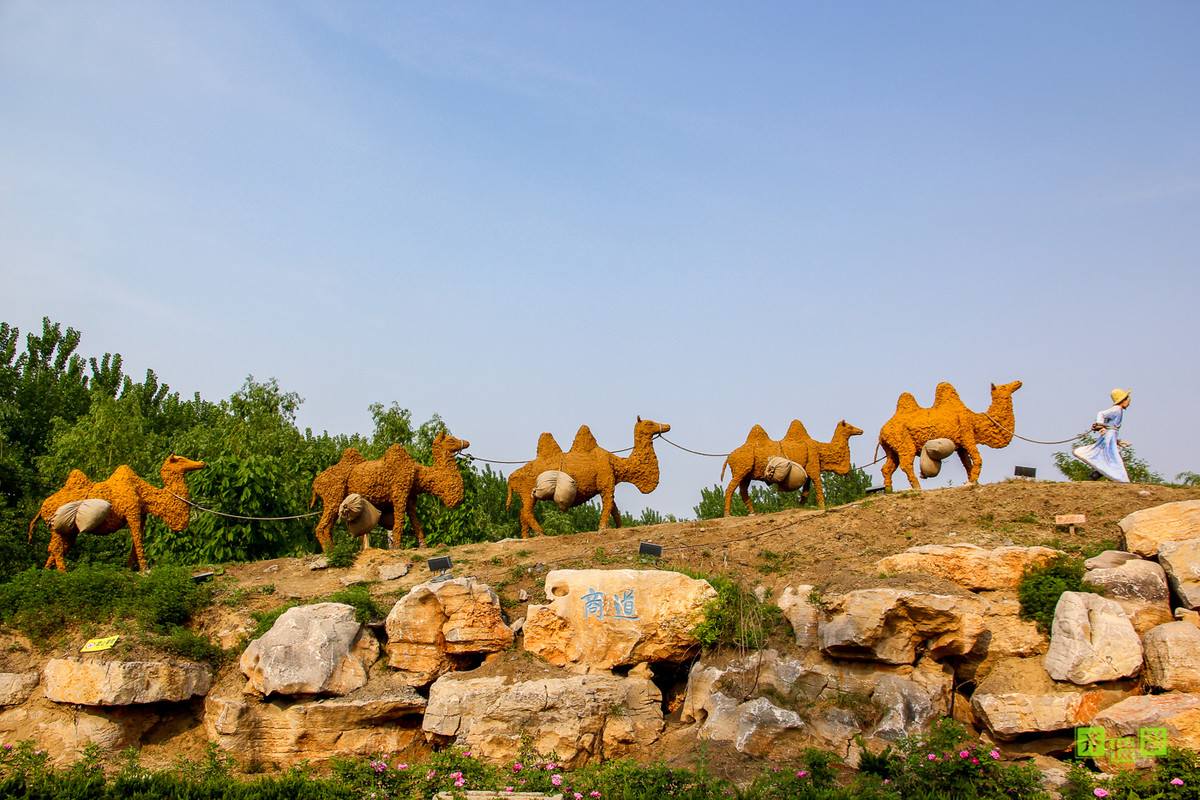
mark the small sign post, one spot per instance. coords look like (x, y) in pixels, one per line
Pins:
(1071, 520)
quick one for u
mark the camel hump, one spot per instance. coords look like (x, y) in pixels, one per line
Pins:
(77, 480)
(946, 395)
(797, 431)
(906, 404)
(757, 435)
(584, 440)
(351, 457)
(548, 446)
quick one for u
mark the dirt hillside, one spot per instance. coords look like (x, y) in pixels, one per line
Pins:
(835, 550)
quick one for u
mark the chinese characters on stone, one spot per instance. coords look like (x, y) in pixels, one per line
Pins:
(624, 605)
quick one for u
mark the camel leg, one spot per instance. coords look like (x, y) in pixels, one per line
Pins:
(729, 494)
(411, 508)
(59, 546)
(906, 454)
(976, 462)
(616, 514)
(744, 491)
(891, 461)
(137, 523)
(606, 508)
(528, 520)
(324, 531)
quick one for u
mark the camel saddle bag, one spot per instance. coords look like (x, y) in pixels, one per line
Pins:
(557, 486)
(787, 475)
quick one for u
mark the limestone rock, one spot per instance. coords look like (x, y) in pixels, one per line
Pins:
(391, 572)
(969, 565)
(1139, 587)
(888, 625)
(1018, 697)
(1145, 530)
(1109, 559)
(64, 731)
(1172, 653)
(15, 687)
(316, 649)
(1178, 713)
(123, 683)
(1181, 560)
(1005, 635)
(582, 718)
(612, 618)
(286, 732)
(804, 616)
(443, 626)
(768, 705)
(1091, 640)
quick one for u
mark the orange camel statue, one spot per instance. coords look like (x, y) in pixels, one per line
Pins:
(749, 462)
(595, 471)
(130, 499)
(392, 483)
(903, 436)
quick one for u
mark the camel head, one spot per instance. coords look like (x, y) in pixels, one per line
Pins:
(178, 465)
(848, 430)
(1004, 390)
(449, 443)
(649, 427)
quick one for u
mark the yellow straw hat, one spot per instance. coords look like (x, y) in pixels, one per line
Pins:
(1119, 395)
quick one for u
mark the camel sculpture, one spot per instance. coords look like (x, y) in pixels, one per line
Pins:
(595, 471)
(392, 483)
(903, 436)
(130, 499)
(749, 462)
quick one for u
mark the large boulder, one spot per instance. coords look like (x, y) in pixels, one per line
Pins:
(1175, 714)
(15, 687)
(769, 705)
(1018, 697)
(64, 731)
(1172, 653)
(611, 618)
(316, 649)
(797, 605)
(123, 683)
(581, 718)
(443, 626)
(1005, 635)
(1145, 530)
(1181, 560)
(889, 625)
(969, 565)
(1091, 640)
(1139, 587)
(282, 732)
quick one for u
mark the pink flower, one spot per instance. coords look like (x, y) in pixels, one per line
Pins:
(932, 757)
(964, 753)
(508, 788)
(1177, 781)
(578, 796)
(593, 794)
(801, 774)
(402, 766)
(974, 760)
(994, 754)
(556, 780)
(517, 767)
(1100, 792)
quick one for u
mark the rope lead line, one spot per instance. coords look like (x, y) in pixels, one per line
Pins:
(238, 516)
(1031, 441)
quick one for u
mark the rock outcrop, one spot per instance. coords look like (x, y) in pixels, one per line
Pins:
(123, 683)
(1181, 560)
(316, 649)
(888, 625)
(1138, 586)
(1172, 654)
(582, 718)
(286, 732)
(1091, 640)
(610, 618)
(1145, 530)
(443, 626)
(969, 565)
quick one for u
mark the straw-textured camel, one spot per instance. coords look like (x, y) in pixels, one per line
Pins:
(130, 498)
(390, 483)
(595, 471)
(903, 436)
(749, 462)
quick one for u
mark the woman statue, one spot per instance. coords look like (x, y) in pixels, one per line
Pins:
(1105, 456)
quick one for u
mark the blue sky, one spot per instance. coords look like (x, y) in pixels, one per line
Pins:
(529, 216)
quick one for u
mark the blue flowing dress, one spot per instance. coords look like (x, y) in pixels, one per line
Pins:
(1105, 455)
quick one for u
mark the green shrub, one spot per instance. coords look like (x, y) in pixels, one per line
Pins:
(1042, 586)
(950, 762)
(735, 617)
(344, 550)
(359, 596)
